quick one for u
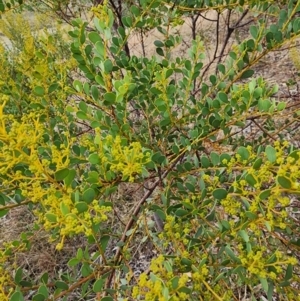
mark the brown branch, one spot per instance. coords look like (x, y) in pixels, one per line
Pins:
(135, 214)
(15, 205)
(230, 30)
(79, 283)
(216, 47)
(262, 129)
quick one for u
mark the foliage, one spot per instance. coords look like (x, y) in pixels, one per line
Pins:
(78, 122)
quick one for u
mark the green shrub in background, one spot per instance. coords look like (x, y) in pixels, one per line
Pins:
(72, 135)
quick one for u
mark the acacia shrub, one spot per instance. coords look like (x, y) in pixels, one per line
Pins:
(226, 200)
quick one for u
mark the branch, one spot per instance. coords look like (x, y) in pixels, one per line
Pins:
(135, 214)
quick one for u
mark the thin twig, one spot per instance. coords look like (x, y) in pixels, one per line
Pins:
(258, 125)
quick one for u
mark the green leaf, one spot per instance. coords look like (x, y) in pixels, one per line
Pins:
(70, 177)
(44, 291)
(89, 195)
(158, 43)
(254, 31)
(284, 182)
(225, 224)
(135, 10)
(281, 106)
(62, 285)
(25, 283)
(81, 115)
(181, 212)
(86, 270)
(127, 21)
(216, 104)
(271, 153)
(250, 180)
(108, 66)
(104, 242)
(38, 297)
(243, 234)
(53, 87)
(88, 50)
(215, 158)
(81, 207)
(221, 68)
(294, 154)
(100, 48)
(64, 208)
(169, 72)
(231, 254)
(16, 296)
(264, 283)
(158, 158)
(265, 194)
(264, 105)
(39, 91)
(220, 193)
(94, 37)
(190, 187)
(257, 164)
(186, 261)
(220, 277)
(188, 65)
(107, 299)
(270, 291)
(289, 272)
(160, 52)
(223, 97)
(73, 262)
(205, 162)
(98, 285)
(247, 73)
(244, 153)
(250, 215)
(174, 282)
(18, 275)
(188, 166)
(94, 159)
(44, 278)
(226, 157)
(3, 212)
(82, 35)
(62, 174)
(95, 92)
(110, 98)
(213, 79)
(79, 254)
(175, 149)
(258, 92)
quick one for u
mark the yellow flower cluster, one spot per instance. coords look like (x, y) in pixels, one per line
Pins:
(6, 280)
(61, 156)
(101, 13)
(120, 158)
(258, 263)
(261, 189)
(128, 160)
(159, 285)
(61, 213)
(19, 143)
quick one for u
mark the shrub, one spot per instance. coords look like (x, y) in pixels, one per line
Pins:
(173, 128)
